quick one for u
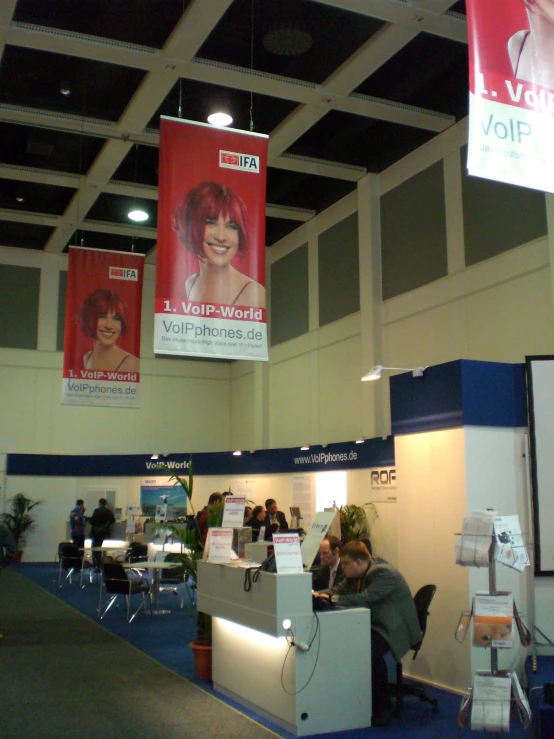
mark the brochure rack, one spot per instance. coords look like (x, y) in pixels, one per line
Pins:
(487, 705)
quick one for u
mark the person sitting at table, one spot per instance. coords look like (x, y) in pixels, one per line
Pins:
(100, 525)
(394, 621)
(247, 515)
(330, 572)
(274, 520)
(256, 521)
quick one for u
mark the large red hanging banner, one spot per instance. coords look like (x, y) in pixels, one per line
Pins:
(511, 110)
(210, 258)
(102, 328)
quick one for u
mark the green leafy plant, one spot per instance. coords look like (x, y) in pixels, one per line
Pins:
(184, 482)
(355, 523)
(19, 519)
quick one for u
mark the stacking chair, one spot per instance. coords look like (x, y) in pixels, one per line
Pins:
(116, 582)
(72, 561)
(173, 578)
(422, 601)
(137, 552)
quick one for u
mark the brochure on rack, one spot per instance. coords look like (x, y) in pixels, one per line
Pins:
(472, 546)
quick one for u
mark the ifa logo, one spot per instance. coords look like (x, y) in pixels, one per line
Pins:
(123, 273)
(244, 162)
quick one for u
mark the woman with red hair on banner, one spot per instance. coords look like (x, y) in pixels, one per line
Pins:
(103, 317)
(212, 222)
(532, 51)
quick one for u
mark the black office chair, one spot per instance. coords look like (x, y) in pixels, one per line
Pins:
(115, 581)
(422, 601)
(72, 561)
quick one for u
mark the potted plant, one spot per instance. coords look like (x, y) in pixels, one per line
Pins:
(19, 521)
(354, 521)
(193, 550)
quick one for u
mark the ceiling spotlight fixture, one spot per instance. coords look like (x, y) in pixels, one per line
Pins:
(375, 372)
(304, 448)
(65, 88)
(220, 119)
(19, 199)
(359, 441)
(138, 215)
(155, 456)
(238, 453)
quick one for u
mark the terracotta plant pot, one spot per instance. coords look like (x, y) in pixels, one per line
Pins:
(202, 659)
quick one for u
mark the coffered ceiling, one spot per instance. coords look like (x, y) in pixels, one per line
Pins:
(342, 88)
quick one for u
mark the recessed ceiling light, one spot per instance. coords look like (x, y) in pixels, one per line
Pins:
(220, 119)
(138, 215)
(19, 199)
(64, 88)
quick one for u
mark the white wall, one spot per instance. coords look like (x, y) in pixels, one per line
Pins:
(441, 476)
(431, 490)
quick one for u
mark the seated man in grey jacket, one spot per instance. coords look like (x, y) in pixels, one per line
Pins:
(394, 620)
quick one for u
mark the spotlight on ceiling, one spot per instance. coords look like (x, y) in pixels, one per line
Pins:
(65, 89)
(138, 215)
(19, 199)
(359, 441)
(238, 453)
(375, 372)
(220, 119)
(304, 448)
(155, 456)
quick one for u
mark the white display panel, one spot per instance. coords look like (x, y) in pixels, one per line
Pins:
(541, 413)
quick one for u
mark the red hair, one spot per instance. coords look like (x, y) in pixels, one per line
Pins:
(101, 302)
(204, 201)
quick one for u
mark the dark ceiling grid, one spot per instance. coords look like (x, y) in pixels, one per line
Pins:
(144, 22)
(326, 109)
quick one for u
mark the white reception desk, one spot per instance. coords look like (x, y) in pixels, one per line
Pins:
(324, 689)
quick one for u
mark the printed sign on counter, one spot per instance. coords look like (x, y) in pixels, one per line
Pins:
(288, 556)
(220, 542)
(233, 513)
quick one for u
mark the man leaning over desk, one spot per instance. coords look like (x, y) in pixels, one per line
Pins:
(394, 621)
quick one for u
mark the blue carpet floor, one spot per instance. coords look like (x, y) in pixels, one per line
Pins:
(166, 639)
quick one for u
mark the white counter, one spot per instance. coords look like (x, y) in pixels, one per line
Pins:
(322, 690)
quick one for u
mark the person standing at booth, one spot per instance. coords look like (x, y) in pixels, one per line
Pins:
(100, 524)
(8, 549)
(274, 520)
(77, 524)
(394, 621)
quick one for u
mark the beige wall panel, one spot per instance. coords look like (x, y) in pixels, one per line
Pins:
(290, 402)
(431, 337)
(242, 411)
(191, 415)
(511, 320)
(431, 491)
(340, 391)
(18, 397)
